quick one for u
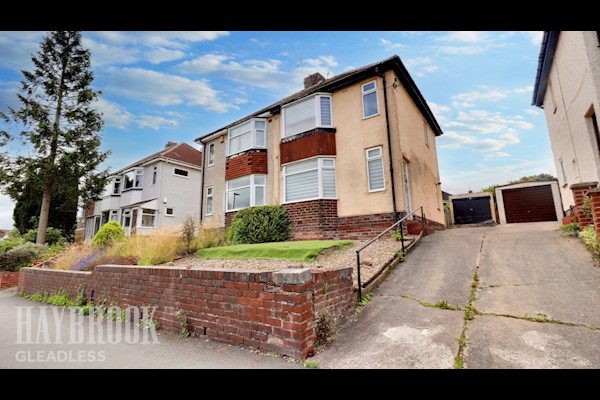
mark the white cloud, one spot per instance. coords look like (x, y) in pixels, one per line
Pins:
(455, 140)
(104, 54)
(484, 122)
(176, 40)
(462, 104)
(161, 55)
(531, 111)
(264, 74)
(534, 36)
(389, 45)
(437, 108)
(155, 122)
(526, 89)
(6, 212)
(239, 100)
(16, 48)
(464, 37)
(497, 154)
(461, 50)
(164, 89)
(492, 95)
(421, 65)
(259, 43)
(8, 95)
(114, 115)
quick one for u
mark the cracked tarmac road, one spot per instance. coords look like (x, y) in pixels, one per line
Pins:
(535, 299)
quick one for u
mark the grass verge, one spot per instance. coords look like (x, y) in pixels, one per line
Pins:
(295, 251)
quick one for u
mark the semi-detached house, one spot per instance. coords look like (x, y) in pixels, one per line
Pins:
(151, 193)
(345, 156)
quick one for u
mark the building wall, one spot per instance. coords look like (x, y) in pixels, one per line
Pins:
(215, 176)
(180, 193)
(574, 84)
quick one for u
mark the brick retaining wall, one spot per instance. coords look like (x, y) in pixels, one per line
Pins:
(274, 311)
(8, 279)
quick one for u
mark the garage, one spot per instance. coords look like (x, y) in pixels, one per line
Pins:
(472, 208)
(529, 202)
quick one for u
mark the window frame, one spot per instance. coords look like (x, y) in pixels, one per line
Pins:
(316, 98)
(136, 172)
(252, 132)
(252, 187)
(365, 93)
(167, 212)
(319, 168)
(154, 175)
(367, 159)
(116, 186)
(126, 215)
(212, 202)
(181, 176)
(210, 152)
(143, 213)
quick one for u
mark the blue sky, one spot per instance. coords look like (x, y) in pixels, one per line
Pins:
(161, 86)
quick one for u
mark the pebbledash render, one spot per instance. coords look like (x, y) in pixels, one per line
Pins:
(344, 156)
(154, 192)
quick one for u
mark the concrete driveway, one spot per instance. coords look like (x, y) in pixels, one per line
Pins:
(527, 297)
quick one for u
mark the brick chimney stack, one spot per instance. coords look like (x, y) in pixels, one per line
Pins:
(169, 144)
(313, 80)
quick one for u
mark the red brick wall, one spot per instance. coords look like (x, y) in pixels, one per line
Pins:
(229, 218)
(580, 190)
(246, 163)
(594, 196)
(316, 219)
(260, 309)
(8, 279)
(360, 227)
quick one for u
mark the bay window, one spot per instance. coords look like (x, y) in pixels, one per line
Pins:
(309, 180)
(246, 191)
(307, 114)
(248, 135)
(133, 179)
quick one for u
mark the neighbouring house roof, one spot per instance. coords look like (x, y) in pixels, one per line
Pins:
(542, 182)
(3, 233)
(445, 196)
(181, 152)
(546, 57)
(346, 79)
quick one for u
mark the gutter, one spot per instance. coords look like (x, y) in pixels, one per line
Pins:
(389, 140)
(545, 60)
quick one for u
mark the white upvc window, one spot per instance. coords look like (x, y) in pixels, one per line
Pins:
(154, 174)
(126, 218)
(133, 179)
(114, 215)
(211, 154)
(117, 186)
(209, 200)
(309, 180)
(375, 175)
(370, 101)
(246, 191)
(306, 114)
(170, 212)
(148, 218)
(248, 135)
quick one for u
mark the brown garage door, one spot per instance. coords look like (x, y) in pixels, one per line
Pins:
(531, 204)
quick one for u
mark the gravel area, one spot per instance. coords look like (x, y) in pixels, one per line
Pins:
(372, 259)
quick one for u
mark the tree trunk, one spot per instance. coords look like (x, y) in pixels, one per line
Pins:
(45, 210)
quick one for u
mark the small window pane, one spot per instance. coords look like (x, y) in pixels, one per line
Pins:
(329, 183)
(374, 152)
(259, 125)
(209, 205)
(169, 211)
(376, 179)
(328, 163)
(259, 179)
(138, 180)
(239, 182)
(259, 196)
(301, 166)
(302, 186)
(209, 191)
(260, 138)
(211, 154)
(180, 172)
(370, 104)
(325, 111)
(369, 86)
(300, 117)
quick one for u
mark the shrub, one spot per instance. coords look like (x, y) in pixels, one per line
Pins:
(260, 224)
(210, 238)
(10, 243)
(188, 232)
(588, 234)
(53, 236)
(21, 256)
(586, 207)
(569, 228)
(108, 234)
(74, 256)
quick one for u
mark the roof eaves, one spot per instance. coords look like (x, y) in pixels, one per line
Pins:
(546, 57)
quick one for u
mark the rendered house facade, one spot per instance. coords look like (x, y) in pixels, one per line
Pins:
(345, 156)
(154, 192)
(567, 87)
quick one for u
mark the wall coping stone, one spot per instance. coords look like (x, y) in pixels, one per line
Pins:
(583, 185)
(292, 276)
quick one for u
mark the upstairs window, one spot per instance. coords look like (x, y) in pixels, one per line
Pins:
(180, 172)
(248, 135)
(154, 176)
(369, 99)
(245, 192)
(117, 186)
(133, 179)
(211, 154)
(307, 114)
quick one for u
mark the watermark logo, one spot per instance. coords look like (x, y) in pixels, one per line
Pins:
(60, 326)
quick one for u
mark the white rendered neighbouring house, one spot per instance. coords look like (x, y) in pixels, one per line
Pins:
(154, 192)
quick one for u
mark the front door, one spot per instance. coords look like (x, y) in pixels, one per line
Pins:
(407, 187)
(133, 221)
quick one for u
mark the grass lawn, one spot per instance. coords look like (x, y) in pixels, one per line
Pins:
(296, 251)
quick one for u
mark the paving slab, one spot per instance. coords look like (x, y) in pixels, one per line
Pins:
(394, 332)
(497, 342)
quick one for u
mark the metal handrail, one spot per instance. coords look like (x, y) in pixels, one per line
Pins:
(412, 213)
